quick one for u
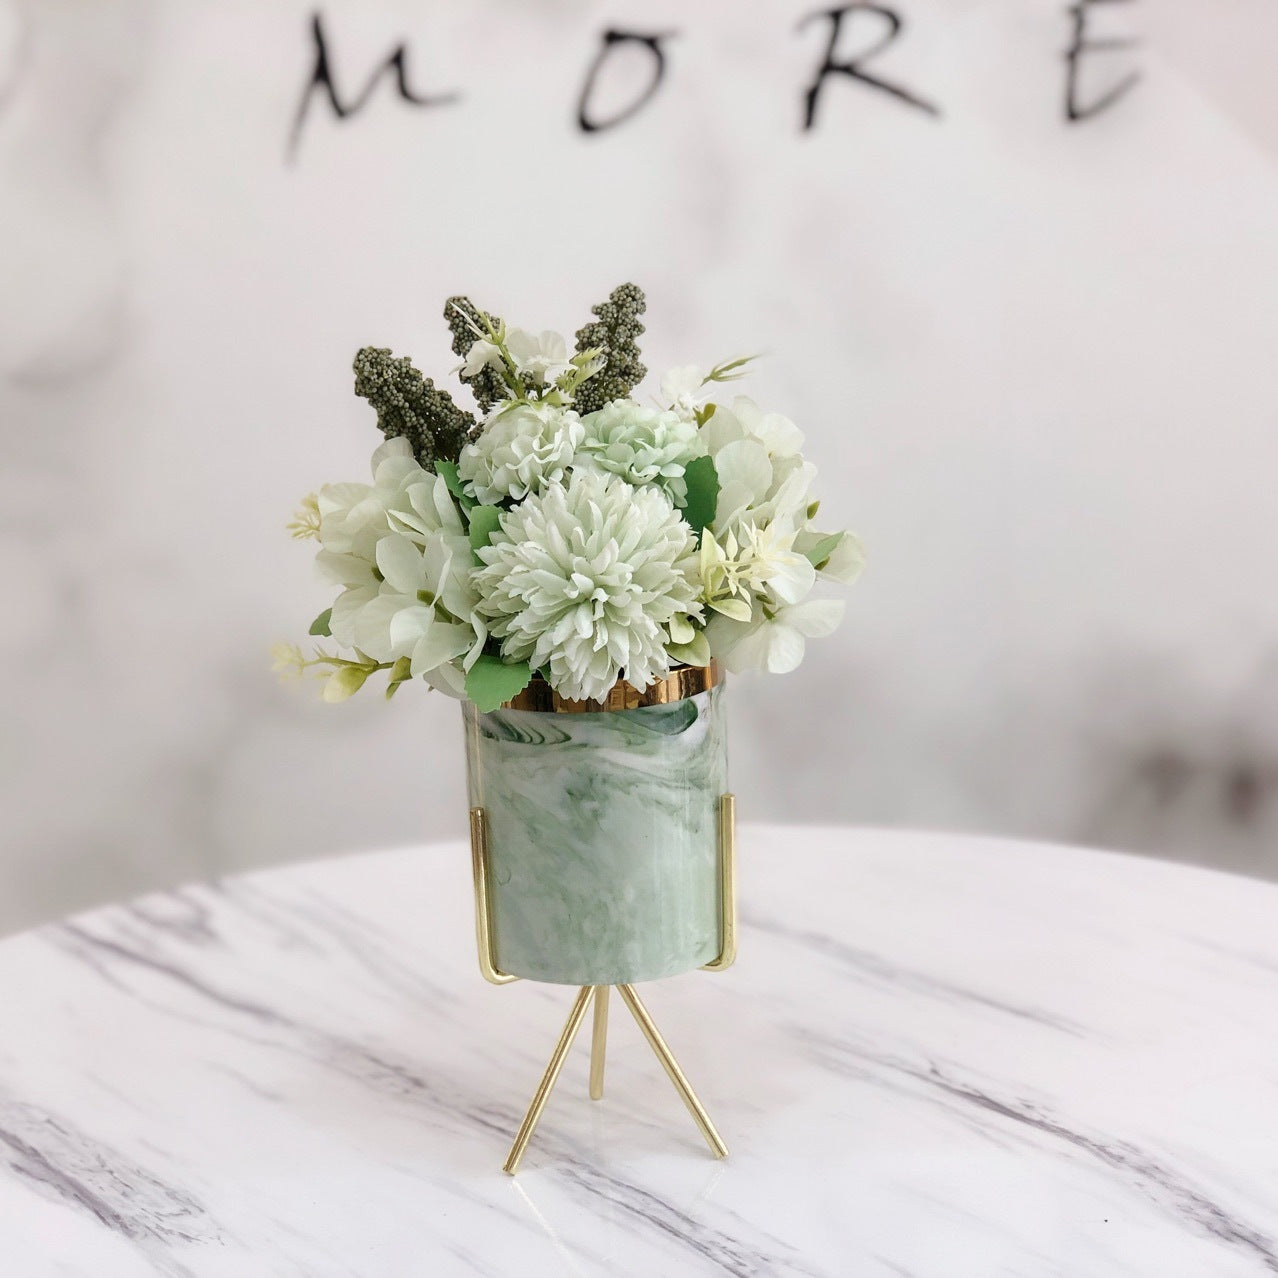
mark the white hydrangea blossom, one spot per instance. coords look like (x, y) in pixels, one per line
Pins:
(775, 642)
(757, 559)
(642, 445)
(585, 580)
(347, 512)
(842, 563)
(744, 419)
(352, 519)
(762, 474)
(400, 550)
(426, 608)
(524, 448)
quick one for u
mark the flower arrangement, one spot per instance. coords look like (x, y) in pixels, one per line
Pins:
(570, 530)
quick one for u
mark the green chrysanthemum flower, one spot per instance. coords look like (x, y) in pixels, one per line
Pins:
(585, 580)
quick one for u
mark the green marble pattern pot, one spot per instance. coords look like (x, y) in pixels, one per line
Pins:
(602, 842)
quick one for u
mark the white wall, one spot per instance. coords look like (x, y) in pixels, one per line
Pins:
(1034, 361)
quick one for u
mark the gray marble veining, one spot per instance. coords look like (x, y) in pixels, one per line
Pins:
(936, 1056)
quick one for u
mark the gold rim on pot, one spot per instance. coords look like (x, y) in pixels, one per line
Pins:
(680, 684)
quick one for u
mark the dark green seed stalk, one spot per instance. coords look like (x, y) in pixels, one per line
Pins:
(615, 332)
(486, 385)
(411, 407)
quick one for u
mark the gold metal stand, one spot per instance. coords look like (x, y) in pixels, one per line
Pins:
(598, 994)
(599, 1042)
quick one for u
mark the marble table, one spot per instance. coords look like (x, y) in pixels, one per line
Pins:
(935, 1056)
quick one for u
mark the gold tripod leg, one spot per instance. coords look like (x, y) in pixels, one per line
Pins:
(677, 1077)
(548, 1079)
(599, 1042)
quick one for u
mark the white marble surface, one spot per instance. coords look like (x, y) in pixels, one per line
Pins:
(937, 1056)
(1034, 362)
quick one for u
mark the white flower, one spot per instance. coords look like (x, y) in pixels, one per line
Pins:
(763, 565)
(358, 575)
(400, 550)
(539, 357)
(642, 445)
(843, 561)
(684, 390)
(846, 560)
(346, 511)
(481, 355)
(770, 563)
(762, 474)
(427, 508)
(522, 449)
(425, 605)
(773, 643)
(586, 579)
(424, 611)
(755, 488)
(352, 520)
(757, 558)
(744, 419)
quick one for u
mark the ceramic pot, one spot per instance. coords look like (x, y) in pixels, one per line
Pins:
(602, 861)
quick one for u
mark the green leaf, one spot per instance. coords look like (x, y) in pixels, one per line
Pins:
(703, 493)
(681, 630)
(484, 521)
(320, 625)
(737, 609)
(705, 413)
(490, 682)
(819, 555)
(730, 370)
(448, 472)
(696, 653)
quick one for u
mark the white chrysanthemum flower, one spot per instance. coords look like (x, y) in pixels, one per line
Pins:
(642, 445)
(523, 449)
(586, 579)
